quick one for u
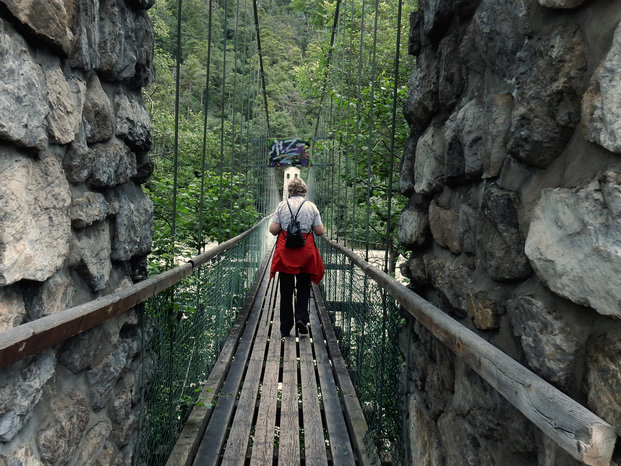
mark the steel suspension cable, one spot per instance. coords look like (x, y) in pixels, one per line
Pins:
(370, 146)
(328, 61)
(176, 141)
(359, 98)
(349, 92)
(243, 100)
(262, 71)
(234, 112)
(204, 151)
(340, 117)
(392, 135)
(220, 189)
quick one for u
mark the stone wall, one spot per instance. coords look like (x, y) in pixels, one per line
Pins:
(513, 174)
(74, 222)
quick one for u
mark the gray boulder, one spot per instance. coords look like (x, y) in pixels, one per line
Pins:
(451, 73)
(498, 110)
(445, 227)
(90, 255)
(429, 168)
(21, 387)
(452, 279)
(88, 209)
(59, 439)
(133, 124)
(21, 456)
(549, 346)
(601, 106)
(550, 73)
(65, 99)
(425, 444)
(483, 310)
(53, 295)
(579, 229)
(50, 20)
(23, 99)
(413, 225)
(98, 112)
(113, 40)
(34, 217)
(465, 133)
(78, 162)
(93, 443)
(113, 164)
(102, 378)
(132, 223)
(422, 100)
(406, 179)
(495, 35)
(499, 243)
(12, 309)
(603, 379)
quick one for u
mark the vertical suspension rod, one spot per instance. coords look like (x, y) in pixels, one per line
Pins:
(392, 135)
(256, 25)
(328, 60)
(220, 189)
(370, 145)
(173, 226)
(205, 112)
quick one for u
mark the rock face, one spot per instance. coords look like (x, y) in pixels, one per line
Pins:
(513, 174)
(74, 221)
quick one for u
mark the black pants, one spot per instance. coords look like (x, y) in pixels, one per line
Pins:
(287, 283)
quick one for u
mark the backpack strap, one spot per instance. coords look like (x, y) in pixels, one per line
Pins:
(295, 217)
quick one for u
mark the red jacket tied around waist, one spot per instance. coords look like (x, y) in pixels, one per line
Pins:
(299, 260)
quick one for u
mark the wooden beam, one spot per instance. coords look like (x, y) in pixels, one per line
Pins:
(585, 436)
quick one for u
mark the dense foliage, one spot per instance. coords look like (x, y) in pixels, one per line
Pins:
(215, 158)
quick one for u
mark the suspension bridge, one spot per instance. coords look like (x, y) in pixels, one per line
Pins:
(219, 383)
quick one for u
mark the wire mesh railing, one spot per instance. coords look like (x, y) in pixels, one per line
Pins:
(367, 322)
(183, 330)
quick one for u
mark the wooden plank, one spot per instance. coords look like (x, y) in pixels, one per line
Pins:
(578, 431)
(215, 432)
(263, 445)
(289, 438)
(353, 412)
(340, 444)
(237, 442)
(189, 440)
(314, 442)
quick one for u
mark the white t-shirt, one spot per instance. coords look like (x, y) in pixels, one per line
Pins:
(308, 216)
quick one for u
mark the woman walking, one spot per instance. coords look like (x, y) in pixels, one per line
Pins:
(297, 267)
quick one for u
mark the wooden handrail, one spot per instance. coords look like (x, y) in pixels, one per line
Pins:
(33, 337)
(578, 431)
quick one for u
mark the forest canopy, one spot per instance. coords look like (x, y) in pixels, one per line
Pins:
(209, 127)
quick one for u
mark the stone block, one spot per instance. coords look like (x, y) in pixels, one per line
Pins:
(34, 217)
(23, 99)
(21, 387)
(499, 242)
(549, 346)
(58, 440)
(601, 104)
(574, 230)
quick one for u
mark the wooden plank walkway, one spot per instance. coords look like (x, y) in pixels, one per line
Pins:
(280, 401)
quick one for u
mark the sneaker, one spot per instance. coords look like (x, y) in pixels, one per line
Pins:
(301, 327)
